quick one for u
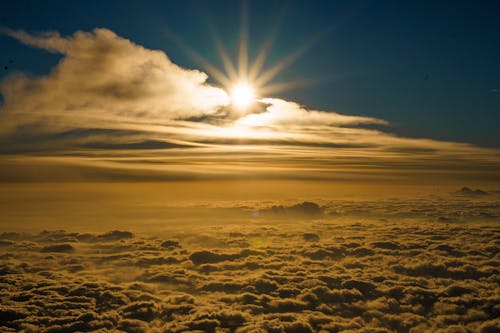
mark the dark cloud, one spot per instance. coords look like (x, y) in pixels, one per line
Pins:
(115, 235)
(306, 208)
(310, 237)
(170, 244)
(64, 248)
(466, 191)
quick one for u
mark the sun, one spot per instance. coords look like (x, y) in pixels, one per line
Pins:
(242, 95)
(248, 80)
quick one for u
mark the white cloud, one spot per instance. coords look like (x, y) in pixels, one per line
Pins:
(103, 75)
(285, 113)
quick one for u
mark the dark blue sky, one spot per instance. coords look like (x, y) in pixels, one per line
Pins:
(431, 68)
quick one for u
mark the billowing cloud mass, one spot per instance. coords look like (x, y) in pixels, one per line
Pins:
(419, 265)
(114, 109)
(104, 75)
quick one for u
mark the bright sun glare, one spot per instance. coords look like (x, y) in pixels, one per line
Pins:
(244, 79)
(242, 95)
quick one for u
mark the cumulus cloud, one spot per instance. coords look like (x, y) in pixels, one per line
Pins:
(101, 76)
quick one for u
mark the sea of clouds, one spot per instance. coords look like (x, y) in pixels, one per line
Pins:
(422, 265)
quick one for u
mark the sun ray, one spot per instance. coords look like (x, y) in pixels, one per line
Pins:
(286, 86)
(271, 73)
(264, 50)
(226, 60)
(223, 54)
(217, 74)
(227, 63)
(243, 45)
(242, 72)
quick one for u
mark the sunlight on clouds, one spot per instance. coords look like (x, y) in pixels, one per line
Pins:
(119, 110)
(281, 112)
(104, 72)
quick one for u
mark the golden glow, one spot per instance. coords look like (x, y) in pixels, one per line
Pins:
(242, 95)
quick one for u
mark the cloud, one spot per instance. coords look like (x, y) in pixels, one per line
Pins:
(301, 210)
(466, 191)
(114, 110)
(64, 248)
(116, 235)
(285, 113)
(409, 280)
(103, 77)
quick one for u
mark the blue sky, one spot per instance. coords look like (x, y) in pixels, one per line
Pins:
(430, 68)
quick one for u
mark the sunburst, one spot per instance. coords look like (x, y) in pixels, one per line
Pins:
(247, 81)
(242, 95)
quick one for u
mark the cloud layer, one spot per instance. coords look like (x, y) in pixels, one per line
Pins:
(110, 103)
(305, 271)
